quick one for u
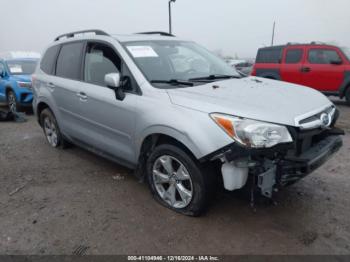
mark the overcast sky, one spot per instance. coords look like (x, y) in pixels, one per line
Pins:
(233, 26)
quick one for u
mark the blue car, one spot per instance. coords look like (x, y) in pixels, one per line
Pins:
(16, 83)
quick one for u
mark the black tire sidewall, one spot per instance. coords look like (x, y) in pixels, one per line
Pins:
(347, 95)
(199, 200)
(48, 113)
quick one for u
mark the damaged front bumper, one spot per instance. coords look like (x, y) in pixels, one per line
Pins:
(280, 166)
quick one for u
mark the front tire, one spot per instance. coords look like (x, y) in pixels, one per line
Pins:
(177, 181)
(51, 130)
(12, 102)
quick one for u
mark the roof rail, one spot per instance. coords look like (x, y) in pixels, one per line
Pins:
(72, 34)
(156, 33)
(317, 43)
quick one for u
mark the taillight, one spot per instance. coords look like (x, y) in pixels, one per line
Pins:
(33, 80)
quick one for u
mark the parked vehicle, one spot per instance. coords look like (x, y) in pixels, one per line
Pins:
(241, 66)
(15, 81)
(179, 116)
(323, 67)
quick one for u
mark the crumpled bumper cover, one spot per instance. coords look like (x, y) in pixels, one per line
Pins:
(284, 161)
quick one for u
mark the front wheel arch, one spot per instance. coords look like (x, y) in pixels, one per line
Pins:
(153, 140)
(9, 89)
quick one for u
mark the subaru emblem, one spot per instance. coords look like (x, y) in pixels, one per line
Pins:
(325, 120)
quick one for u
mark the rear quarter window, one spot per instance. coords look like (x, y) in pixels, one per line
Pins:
(272, 56)
(48, 61)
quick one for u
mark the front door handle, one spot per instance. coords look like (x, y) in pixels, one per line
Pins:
(305, 69)
(82, 96)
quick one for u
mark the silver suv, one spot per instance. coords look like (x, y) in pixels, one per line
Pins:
(179, 116)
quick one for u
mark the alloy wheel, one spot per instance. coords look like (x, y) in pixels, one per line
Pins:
(50, 131)
(12, 103)
(172, 181)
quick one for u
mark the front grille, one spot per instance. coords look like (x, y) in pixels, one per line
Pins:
(316, 117)
(315, 120)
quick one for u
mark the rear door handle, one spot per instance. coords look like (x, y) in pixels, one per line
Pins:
(305, 69)
(82, 96)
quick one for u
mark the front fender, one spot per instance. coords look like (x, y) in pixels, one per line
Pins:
(194, 129)
(168, 131)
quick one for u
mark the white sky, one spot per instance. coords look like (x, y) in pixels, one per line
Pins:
(233, 26)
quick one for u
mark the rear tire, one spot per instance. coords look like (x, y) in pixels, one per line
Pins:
(177, 181)
(347, 95)
(51, 129)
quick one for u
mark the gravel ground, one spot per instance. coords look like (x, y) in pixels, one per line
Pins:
(73, 202)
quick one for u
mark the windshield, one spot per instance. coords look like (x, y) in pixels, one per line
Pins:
(346, 51)
(177, 60)
(18, 67)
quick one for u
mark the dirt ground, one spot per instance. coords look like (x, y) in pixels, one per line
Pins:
(73, 202)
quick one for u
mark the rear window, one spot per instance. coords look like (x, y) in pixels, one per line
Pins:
(69, 61)
(49, 59)
(272, 55)
(293, 56)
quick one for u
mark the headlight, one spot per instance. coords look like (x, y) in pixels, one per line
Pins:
(24, 84)
(252, 133)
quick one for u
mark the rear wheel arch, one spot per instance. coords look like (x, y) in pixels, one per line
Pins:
(40, 107)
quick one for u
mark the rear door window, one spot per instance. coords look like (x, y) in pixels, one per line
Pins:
(69, 61)
(294, 56)
(323, 56)
(48, 61)
(272, 55)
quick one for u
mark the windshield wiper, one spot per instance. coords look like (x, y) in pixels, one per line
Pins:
(173, 82)
(213, 77)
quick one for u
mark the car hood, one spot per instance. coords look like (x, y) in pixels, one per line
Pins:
(254, 98)
(23, 78)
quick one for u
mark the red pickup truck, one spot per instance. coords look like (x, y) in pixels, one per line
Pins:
(320, 66)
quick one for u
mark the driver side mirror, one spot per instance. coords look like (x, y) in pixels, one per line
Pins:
(113, 82)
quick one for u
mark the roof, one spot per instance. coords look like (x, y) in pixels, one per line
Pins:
(142, 37)
(98, 34)
(297, 44)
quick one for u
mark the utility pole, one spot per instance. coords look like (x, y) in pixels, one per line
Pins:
(273, 33)
(170, 25)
